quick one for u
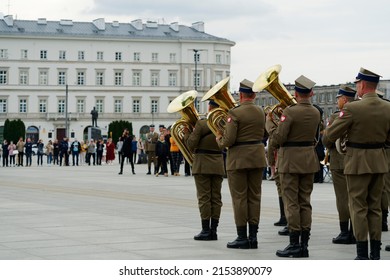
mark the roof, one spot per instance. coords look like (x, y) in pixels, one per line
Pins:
(100, 29)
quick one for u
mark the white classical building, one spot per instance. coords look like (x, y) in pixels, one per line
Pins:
(127, 71)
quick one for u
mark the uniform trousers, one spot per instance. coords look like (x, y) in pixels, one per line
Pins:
(152, 158)
(341, 193)
(296, 192)
(208, 192)
(245, 190)
(365, 193)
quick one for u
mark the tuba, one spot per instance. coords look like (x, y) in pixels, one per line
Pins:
(216, 119)
(269, 81)
(184, 104)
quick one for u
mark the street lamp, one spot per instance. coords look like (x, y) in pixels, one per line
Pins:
(66, 112)
(196, 69)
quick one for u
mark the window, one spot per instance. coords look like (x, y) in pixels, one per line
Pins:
(330, 97)
(137, 78)
(118, 106)
(81, 55)
(154, 79)
(154, 57)
(62, 55)
(172, 57)
(154, 105)
(3, 106)
(23, 54)
(3, 77)
(330, 111)
(218, 59)
(99, 105)
(61, 106)
(3, 53)
(228, 57)
(136, 106)
(118, 78)
(80, 106)
(172, 78)
(99, 56)
(23, 77)
(137, 56)
(218, 77)
(43, 77)
(23, 105)
(118, 56)
(322, 97)
(42, 105)
(99, 78)
(43, 54)
(80, 78)
(61, 78)
(270, 100)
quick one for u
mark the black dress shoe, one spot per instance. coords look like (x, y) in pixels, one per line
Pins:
(284, 231)
(120, 173)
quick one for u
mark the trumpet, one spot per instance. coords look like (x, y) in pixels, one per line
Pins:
(269, 81)
(184, 104)
(216, 119)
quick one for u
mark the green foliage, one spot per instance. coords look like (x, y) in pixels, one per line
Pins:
(116, 128)
(14, 129)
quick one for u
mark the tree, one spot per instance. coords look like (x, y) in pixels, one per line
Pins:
(14, 129)
(116, 128)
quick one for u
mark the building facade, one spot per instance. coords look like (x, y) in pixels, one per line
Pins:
(50, 70)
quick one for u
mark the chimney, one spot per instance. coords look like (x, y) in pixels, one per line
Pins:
(9, 20)
(198, 26)
(174, 26)
(42, 21)
(100, 24)
(137, 24)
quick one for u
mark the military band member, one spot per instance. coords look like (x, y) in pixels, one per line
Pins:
(150, 148)
(208, 171)
(245, 162)
(345, 95)
(297, 163)
(367, 124)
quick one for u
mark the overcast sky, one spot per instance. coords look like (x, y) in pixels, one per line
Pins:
(325, 40)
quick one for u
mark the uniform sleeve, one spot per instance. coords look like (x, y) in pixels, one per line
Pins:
(230, 134)
(280, 133)
(339, 126)
(192, 139)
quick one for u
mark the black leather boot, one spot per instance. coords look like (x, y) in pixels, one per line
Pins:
(384, 220)
(253, 236)
(387, 248)
(213, 228)
(305, 236)
(375, 248)
(205, 233)
(282, 221)
(351, 235)
(344, 236)
(293, 250)
(148, 171)
(241, 242)
(362, 250)
(284, 231)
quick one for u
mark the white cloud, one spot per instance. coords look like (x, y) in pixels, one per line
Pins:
(326, 40)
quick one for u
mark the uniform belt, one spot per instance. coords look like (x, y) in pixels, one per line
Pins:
(202, 151)
(298, 144)
(247, 143)
(365, 145)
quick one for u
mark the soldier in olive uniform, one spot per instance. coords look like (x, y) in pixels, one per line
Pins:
(150, 148)
(245, 162)
(208, 172)
(297, 162)
(345, 95)
(367, 124)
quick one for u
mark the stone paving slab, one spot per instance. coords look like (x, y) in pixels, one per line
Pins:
(92, 213)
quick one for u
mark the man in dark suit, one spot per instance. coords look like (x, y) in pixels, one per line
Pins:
(208, 171)
(367, 124)
(345, 95)
(297, 162)
(150, 148)
(245, 162)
